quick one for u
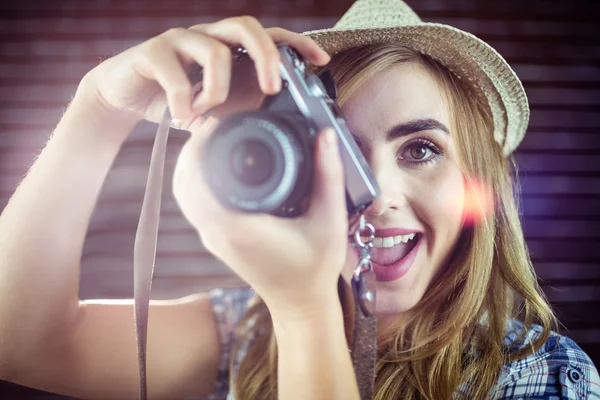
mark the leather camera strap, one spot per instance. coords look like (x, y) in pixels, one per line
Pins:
(363, 347)
(361, 333)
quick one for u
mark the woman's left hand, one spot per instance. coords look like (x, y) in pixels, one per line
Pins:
(293, 264)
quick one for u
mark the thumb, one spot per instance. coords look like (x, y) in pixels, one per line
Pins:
(329, 193)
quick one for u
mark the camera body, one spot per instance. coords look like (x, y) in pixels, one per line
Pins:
(263, 160)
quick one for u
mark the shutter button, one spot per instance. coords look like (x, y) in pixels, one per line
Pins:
(574, 375)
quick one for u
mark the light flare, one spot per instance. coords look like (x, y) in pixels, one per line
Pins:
(478, 201)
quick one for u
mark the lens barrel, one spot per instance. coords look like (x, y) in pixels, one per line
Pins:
(260, 161)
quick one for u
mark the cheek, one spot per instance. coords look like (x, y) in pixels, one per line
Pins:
(443, 200)
(458, 200)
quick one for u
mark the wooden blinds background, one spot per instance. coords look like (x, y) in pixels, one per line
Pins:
(554, 46)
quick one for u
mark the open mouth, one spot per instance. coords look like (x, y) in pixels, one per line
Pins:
(385, 253)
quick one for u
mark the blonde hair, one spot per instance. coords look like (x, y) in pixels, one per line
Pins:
(456, 332)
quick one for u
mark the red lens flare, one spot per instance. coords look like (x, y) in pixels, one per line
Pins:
(478, 202)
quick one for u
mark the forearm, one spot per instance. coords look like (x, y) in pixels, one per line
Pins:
(42, 229)
(313, 357)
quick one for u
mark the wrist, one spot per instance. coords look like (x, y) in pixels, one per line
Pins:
(302, 301)
(89, 101)
(322, 312)
(312, 347)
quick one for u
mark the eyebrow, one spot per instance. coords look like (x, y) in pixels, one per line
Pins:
(414, 126)
(407, 128)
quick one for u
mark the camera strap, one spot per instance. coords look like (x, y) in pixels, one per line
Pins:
(364, 338)
(144, 248)
(359, 300)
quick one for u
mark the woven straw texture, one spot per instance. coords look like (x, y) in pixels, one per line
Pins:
(468, 57)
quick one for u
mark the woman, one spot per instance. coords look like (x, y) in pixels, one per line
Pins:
(436, 113)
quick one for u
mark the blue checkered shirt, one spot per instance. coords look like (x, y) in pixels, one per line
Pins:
(558, 370)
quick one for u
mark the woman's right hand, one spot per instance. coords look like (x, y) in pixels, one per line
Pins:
(140, 81)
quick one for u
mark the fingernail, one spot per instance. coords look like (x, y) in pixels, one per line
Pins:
(277, 84)
(198, 106)
(331, 139)
(276, 78)
(198, 101)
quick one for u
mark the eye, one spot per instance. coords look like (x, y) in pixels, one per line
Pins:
(419, 151)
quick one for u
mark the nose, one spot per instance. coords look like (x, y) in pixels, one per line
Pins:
(380, 205)
(392, 195)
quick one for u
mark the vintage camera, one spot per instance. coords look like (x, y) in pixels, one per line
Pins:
(261, 161)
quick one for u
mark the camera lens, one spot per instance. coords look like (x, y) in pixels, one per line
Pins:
(260, 161)
(251, 162)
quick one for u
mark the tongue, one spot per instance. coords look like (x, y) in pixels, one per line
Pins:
(390, 255)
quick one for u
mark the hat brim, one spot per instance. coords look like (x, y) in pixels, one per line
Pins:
(466, 56)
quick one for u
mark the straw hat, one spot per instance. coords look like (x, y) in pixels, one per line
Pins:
(469, 58)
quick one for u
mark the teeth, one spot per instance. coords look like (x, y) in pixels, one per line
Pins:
(390, 241)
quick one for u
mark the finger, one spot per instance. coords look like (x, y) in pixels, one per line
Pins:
(189, 186)
(213, 220)
(249, 33)
(307, 47)
(215, 59)
(158, 62)
(328, 199)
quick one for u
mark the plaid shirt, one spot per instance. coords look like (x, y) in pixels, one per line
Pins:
(558, 370)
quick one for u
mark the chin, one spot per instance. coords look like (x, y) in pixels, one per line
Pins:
(391, 301)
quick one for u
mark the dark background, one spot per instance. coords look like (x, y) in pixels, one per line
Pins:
(554, 46)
